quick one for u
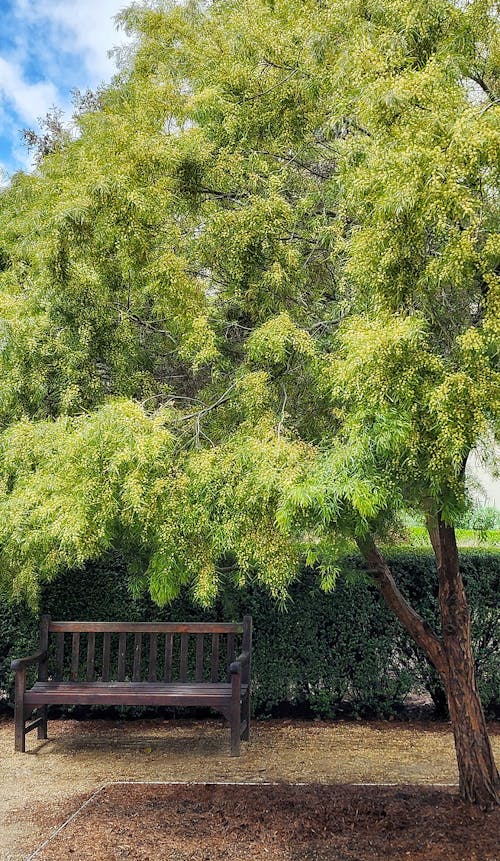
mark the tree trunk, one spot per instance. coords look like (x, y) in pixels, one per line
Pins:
(451, 655)
(479, 779)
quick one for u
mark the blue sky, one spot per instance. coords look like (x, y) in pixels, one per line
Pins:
(48, 48)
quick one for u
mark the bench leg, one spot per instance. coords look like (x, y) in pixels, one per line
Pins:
(19, 736)
(245, 716)
(42, 729)
(235, 732)
(19, 716)
(235, 713)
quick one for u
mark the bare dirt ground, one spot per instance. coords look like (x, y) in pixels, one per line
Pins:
(41, 789)
(286, 823)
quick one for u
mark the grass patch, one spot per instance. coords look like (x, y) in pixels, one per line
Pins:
(467, 539)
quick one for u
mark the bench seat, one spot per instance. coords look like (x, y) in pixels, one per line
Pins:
(217, 696)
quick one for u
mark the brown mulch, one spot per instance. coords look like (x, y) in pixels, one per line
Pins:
(313, 822)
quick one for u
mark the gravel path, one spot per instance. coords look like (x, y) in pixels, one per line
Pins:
(40, 789)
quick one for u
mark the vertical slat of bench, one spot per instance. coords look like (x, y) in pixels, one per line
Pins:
(214, 670)
(246, 646)
(106, 652)
(122, 651)
(199, 658)
(136, 673)
(184, 658)
(230, 653)
(59, 656)
(153, 652)
(167, 672)
(43, 669)
(75, 656)
(90, 656)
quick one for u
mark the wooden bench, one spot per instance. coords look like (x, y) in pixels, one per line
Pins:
(86, 674)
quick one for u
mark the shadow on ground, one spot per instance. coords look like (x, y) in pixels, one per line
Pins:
(81, 756)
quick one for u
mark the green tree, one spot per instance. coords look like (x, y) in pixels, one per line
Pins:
(251, 310)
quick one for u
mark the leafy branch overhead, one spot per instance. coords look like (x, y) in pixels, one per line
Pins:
(267, 260)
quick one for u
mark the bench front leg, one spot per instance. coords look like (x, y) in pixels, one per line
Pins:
(245, 735)
(19, 734)
(19, 666)
(235, 711)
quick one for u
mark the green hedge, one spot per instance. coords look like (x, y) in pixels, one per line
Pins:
(322, 654)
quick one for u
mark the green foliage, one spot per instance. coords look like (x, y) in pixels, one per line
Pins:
(323, 654)
(481, 518)
(250, 311)
(480, 571)
(72, 486)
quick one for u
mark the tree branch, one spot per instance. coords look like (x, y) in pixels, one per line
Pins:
(319, 170)
(223, 195)
(170, 397)
(493, 104)
(147, 324)
(222, 400)
(270, 89)
(479, 80)
(283, 406)
(274, 65)
(417, 627)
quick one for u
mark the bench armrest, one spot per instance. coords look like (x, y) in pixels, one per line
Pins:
(236, 666)
(21, 663)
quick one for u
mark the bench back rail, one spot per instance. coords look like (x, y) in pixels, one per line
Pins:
(141, 651)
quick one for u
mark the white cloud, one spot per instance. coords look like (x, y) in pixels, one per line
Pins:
(85, 28)
(51, 47)
(28, 100)
(4, 175)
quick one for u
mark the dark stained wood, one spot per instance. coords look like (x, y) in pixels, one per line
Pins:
(131, 693)
(75, 656)
(44, 645)
(136, 672)
(59, 655)
(183, 668)
(245, 677)
(153, 653)
(90, 656)
(19, 734)
(149, 627)
(167, 672)
(235, 719)
(122, 653)
(230, 698)
(246, 647)
(230, 653)
(36, 724)
(28, 661)
(106, 653)
(41, 722)
(214, 669)
(138, 687)
(199, 657)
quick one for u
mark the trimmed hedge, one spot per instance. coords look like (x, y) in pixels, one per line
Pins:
(323, 653)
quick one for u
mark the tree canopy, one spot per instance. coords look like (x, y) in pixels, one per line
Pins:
(250, 308)
(257, 291)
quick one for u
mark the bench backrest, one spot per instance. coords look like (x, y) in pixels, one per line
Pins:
(142, 651)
